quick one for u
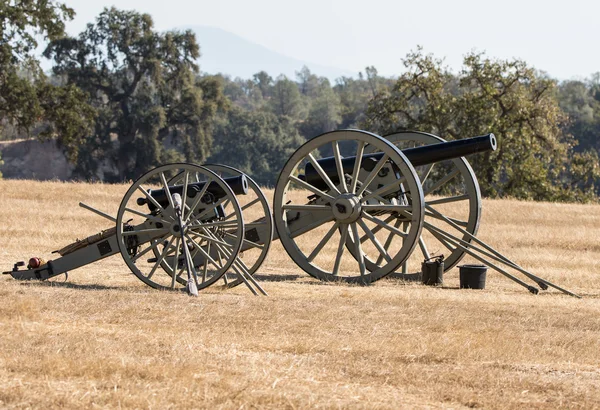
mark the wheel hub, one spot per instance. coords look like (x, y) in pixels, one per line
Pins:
(176, 229)
(346, 208)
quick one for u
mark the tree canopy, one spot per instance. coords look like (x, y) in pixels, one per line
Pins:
(27, 98)
(258, 143)
(508, 98)
(151, 106)
(123, 98)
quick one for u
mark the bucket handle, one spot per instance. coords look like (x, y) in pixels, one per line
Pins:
(438, 258)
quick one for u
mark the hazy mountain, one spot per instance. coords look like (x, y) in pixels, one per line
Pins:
(227, 53)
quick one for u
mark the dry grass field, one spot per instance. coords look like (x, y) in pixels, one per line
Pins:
(105, 340)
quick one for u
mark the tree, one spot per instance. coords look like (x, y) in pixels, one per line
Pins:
(354, 97)
(151, 106)
(286, 99)
(505, 97)
(324, 112)
(577, 100)
(258, 143)
(264, 82)
(308, 83)
(244, 93)
(27, 99)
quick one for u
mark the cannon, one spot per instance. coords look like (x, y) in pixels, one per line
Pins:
(214, 192)
(180, 219)
(348, 206)
(424, 155)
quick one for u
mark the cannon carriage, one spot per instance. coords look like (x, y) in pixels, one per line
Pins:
(348, 206)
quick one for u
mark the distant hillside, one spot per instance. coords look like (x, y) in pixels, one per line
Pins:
(33, 159)
(227, 53)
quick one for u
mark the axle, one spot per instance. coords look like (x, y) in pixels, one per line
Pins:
(427, 154)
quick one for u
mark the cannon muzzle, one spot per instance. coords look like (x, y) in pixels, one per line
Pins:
(238, 184)
(427, 154)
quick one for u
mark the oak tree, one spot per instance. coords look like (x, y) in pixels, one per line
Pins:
(152, 106)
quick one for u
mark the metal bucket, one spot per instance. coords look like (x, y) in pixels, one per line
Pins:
(472, 276)
(432, 272)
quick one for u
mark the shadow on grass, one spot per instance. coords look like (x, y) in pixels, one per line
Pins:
(70, 285)
(278, 278)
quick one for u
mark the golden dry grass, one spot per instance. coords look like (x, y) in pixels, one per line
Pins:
(103, 339)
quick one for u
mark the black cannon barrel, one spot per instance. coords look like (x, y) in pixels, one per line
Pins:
(427, 154)
(239, 186)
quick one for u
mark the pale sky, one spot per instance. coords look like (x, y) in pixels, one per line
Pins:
(559, 37)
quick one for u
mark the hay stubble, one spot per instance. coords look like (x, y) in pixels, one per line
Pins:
(105, 339)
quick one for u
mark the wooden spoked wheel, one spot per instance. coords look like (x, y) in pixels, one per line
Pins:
(452, 196)
(318, 211)
(258, 225)
(179, 228)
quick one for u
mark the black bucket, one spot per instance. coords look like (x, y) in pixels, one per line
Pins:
(432, 272)
(472, 276)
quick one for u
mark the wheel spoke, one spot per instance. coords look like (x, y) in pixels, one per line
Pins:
(442, 182)
(338, 165)
(456, 221)
(219, 241)
(157, 242)
(378, 228)
(310, 208)
(424, 248)
(322, 173)
(210, 208)
(198, 199)
(219, 260)
(372, 174)
(357, 163)
(386, 207)
(389, 239)
(374, 240)
(311, 188)
(205, 267)
(235, 262)
(202, 251)
(383, 189)
(189, 264)
(180, 272)
(360, 256)
(161, 258)
(167, 190)
(223, 224)
(309, 227)
(249, 204)
(246, 241)
(209, 238)
(184, 196)
(340, 251)
(384, 225)
(323, 241)
(426, 173)
(228, 254)
(143, 231)
(449, 199)
(146, 216)
(150, 198)
(175, 262)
